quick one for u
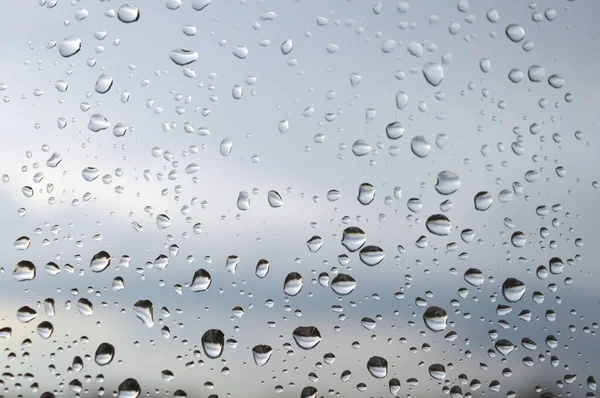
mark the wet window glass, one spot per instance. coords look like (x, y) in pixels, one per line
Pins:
(269, 198)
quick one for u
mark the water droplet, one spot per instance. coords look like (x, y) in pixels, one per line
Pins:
(483, 200)
(361, 148)
(536, 73)
(293, 284)
(243, 201)
(447, 182)
(394, 131)
(314, 244)
(201, 281)
(504, 346)
(104, 354)
(45, 330)
(24, 271)
(103, 84)
(556, 81)
(69, 46)
(371, 255)
(378, 367)
(120, 129)
(343, 284)
(439, 224)
(26, 314)
(515, 32)
(437, 371)
(474, 277)
(144, 310)
(287, 46)
(485, 65)
(90, 173)
(240, 52)
(262, 353)
(226, 146)
(353, 238)
(309, 392)
(492, 15)
(98, 123)
(433, 73)
(213, 342)
(100, 261)
(163, 221)
(436, 319)
(366, 194)
(307, 337)
(129, 388)
(85, 307)
(513, 290)
(420, 147)
(401, 100)
(518, 239)
(183, 57)
(128, 13)
(22, 243)
(274, 199)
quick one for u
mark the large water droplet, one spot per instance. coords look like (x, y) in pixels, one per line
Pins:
(401, 100)
(293, 284)
(98, 123)
(483, 200)
(287, 46)
(104, 354)
(378, 367)
(24, 271)
(45, 330)
(439, 224)
(436, 319)
(128, 13)
(447, 182)
(262, 268)
(163, 221)
(394, 131)
(474, 277)
(129, 388)
(183, 57)
(307, 337)
(371, 255)
(343, 284)
(366, 193)
(437, 371)
(201, 281)
(420, 147)
(231, 263)
(243, 201)
(361, 148)
(513, 290)
(69, 46)
(144, 310)
(353, 238)
(100, 261)
(26, 314)
(262, 353)
(103, 84)
(213, 341)
(433, 73)
(90, 173)
(274, 199)
(515, 32)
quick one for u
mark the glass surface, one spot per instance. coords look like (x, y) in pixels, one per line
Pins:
(299, 198)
